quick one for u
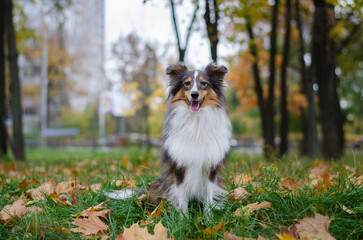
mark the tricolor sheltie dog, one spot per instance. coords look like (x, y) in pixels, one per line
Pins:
(196, 138)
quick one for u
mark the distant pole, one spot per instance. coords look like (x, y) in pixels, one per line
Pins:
(44, 83)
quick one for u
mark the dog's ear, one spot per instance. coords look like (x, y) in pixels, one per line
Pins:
(216, 71)
(176, 69)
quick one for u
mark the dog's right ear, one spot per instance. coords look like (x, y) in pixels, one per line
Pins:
(176, 69)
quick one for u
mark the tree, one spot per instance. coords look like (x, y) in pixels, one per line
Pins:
(182, 50)
(3, 135)
(211, 17)
(15, 103)
(309, 141)
(270, 112)
(324, 64)
(284, 124)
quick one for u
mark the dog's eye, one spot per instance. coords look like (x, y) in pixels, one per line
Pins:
(187, 84)
(203, 84)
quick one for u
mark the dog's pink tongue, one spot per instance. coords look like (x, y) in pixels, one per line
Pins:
(194, 106)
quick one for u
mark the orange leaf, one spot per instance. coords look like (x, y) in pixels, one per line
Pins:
(290, 183)
(158, 211)
(242, 179)
(209, 232)
(285, 236)
(314, 228)
(90, 226)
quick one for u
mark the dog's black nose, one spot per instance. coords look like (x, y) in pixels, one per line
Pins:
(195, 95)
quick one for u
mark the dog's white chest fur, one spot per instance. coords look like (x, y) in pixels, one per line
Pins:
(197, 139)
(198, 142)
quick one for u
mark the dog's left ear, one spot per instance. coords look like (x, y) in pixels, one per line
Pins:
(216, 71)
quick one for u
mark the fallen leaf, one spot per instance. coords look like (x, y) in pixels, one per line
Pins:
(314, 228)
(231, 236)
(135, 232)
(90, 225)
(126, 183)
(254, 207)
(240, 193)
(285, 236)
(290, 183)
(160, 232)
(209, 232)
(96, 211)
(347, 210)
(242, 179)
(68, 187)
(158, 211)
(96, 187)
(25, 183)
(261, 238)
(40, 192)
(17, 209)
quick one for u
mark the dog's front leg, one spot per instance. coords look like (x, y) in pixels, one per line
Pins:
(179, 198)
(215, 197)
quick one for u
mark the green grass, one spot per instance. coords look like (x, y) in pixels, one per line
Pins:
(90, 167)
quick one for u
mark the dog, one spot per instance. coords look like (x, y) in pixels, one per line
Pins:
(195, 140)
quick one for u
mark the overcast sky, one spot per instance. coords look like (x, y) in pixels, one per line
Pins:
(152, 22)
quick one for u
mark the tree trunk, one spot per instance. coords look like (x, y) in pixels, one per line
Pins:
(324, 72)
(15, 88)
(258, 84)
(270, 113)
(181, 50)
(3, 138)
(211, 18)
(310, 140)
(284, 127)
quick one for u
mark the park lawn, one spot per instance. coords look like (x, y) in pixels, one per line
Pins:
(295, 187)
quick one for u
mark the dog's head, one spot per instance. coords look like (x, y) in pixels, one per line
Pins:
(197, 89)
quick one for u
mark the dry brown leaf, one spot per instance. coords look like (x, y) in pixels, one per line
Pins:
(347, 210)
(96, 187)
(90, 225)
(254, 207)
(257, 206)
(231, 236)
(209, 232)
(261, 238)
(158, 211)
(240, 193)
(39, 193)
(68, 187)
(96, 211)
(314, 228)
(242, 179)
(290, 183)
(135, 232)
(126, 183)
(160, 232)
(17, 209)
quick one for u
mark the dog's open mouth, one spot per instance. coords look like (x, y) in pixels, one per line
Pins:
(195, 105)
